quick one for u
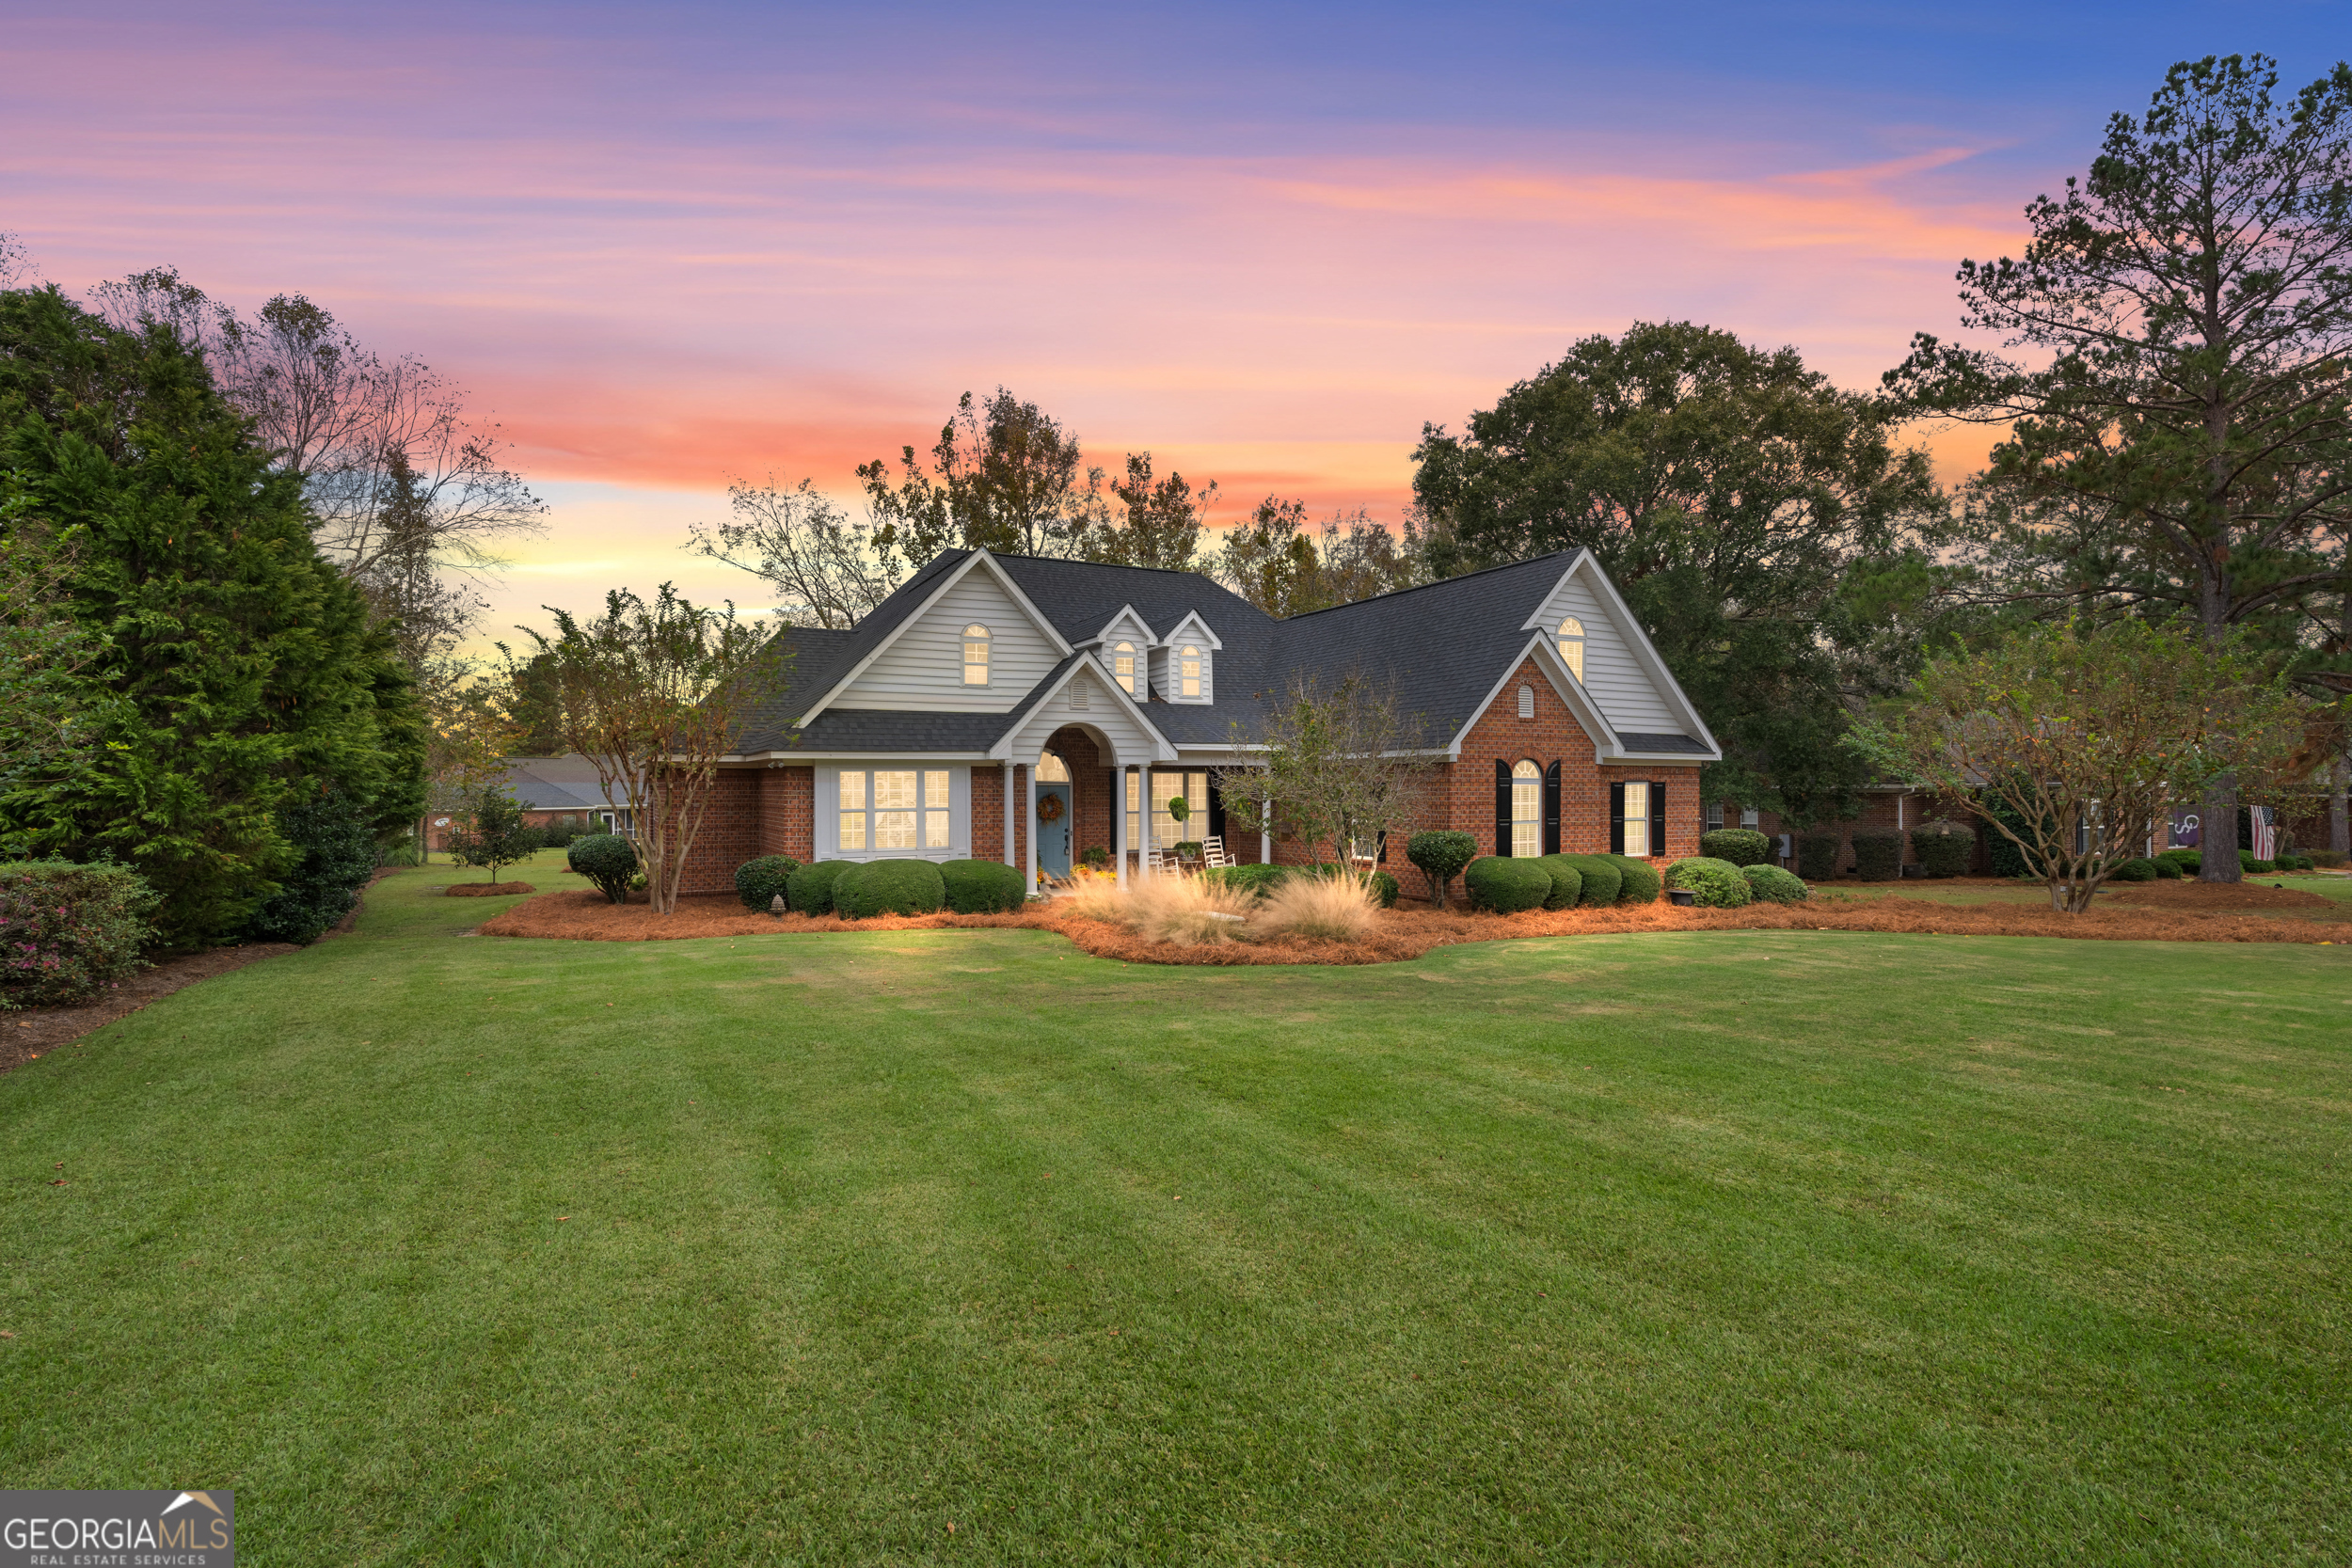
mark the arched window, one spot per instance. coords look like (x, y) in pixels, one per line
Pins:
(1189, 673)
(1527, 702)
(1526, 810)
(1123, 668)
(1050, 768)
(1572, 646)
(976, 656)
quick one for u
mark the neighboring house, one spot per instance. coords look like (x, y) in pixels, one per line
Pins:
(1022, 709)
(561, 792)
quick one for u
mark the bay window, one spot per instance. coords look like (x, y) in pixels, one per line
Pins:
(904, 809)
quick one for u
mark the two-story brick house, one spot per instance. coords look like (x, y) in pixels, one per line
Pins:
(1022, 709)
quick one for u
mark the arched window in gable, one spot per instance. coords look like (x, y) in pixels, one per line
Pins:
(1526, 810)
(1571, 645)
(1123, 668)
(976, 640)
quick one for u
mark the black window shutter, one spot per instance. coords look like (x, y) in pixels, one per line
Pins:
(1216, 811)
(1503, 807)
(1617, 819)
(1381, 851)
(1657, 818)
(1551, 810)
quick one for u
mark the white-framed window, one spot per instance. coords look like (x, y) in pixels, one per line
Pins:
(1714, 815)
(896, 808)
(1123, 668)
(1527, 702)
(1189, 687)
(1636, 818)
(1193, 789)
(1571, 645)
(1526, 810)
(1050, 768)
(1749, 816)
(976, 640)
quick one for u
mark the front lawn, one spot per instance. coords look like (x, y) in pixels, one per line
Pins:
(1692, 1249)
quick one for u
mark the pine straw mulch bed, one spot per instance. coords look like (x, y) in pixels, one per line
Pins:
(1407, 932)
(487, 890)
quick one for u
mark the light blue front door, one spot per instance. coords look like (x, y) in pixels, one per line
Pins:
(1053, 838)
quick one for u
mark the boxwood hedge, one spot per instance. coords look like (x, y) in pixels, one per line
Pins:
(1503, 885)
(1568, 883)
(1712, 883)
(888, 887)
(760, 883)
(1773, 885)
(1639, 880)
(1878, 857)
(607, 861)
(809, 889)
(1603, 879)
(1945, 848)
(1736, 846)
(983, 887)
(1817, 857)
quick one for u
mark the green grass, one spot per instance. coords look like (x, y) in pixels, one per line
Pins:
(1695, 1248)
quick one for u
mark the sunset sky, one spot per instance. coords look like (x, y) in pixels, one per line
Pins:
(664, 246)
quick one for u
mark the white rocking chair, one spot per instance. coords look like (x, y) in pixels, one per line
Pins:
(1213, 855)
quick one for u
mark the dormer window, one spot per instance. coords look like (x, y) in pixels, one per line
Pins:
(976, 656)
(1188, 685)
(1123, 668)
(1572, 646)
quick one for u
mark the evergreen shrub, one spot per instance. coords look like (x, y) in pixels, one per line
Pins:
(2186, 861)
(1945, 848)
(607, 861)
(809, 889)
(1712, 883)
(1503, 885)
(1602, 877)
(2329, 857)
(1773, 885)
(2169, 871)
(1259, 879)
(1736, 846)
(1441, 855)
(69, 931)
(983, 887)
(1568, 883)
(2247, 862)
(1638, 881)
(1817, 857)
(1878, 857)
(338, 848)
(760, 883)
(889, 887)
(2134, 870)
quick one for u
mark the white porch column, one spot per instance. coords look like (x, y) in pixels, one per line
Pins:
(1118, 827)
(1265, 833)
(1029, 822)
(1143, 822)
(1008, 792)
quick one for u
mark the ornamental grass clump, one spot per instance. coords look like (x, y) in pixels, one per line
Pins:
(1712, 884)
(1093, 896)
(1330, 909)
(1193, 911)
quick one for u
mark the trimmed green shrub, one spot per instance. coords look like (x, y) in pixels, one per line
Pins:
(2329, 857)
(1259, 880)
(1878, 857)
(1568, 883)
(1503, 885)
(889, 887)
(67, 932)
(2166, 870)
(1603, 879)
(1736, 846)
(983, 887)
(1773, 885)
(338, 848)
(1638, 880)
(2294, 863)
(1945, 848)
(759, 884)
(809, 889)
(1817, 857)
(1712, 883)
(606, 859)
(1094, 856)
(2247, 862)
(2187, 861)
(2134, 870)
(1441, 855)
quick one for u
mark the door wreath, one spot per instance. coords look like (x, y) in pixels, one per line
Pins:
(1049, 808)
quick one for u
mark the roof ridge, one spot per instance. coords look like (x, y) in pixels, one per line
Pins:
(1441, 582)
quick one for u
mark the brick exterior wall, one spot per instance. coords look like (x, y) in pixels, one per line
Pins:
(730, 834)
(787, 812)
(987, 813)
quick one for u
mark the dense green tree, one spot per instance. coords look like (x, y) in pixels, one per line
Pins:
(242, 671)
(2179, 439)
(1003, 476)
(1763, 524)
(1159, 522)
(1285, 565)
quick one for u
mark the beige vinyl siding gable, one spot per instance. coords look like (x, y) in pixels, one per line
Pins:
(1612, 673)
(922, 667)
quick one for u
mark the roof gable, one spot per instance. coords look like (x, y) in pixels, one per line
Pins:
(908, 608)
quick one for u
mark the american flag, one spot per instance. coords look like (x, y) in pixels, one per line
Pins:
(2265, 834)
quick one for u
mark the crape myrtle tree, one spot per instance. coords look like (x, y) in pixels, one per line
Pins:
(2074, 741)
(652, 693)
(1334, 766)
(1765, 527)
(235, 672)
(2180, 424)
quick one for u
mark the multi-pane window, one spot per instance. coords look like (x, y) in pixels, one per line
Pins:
(1123, 668)
(1571, 645)
(1748, 817)
(896, 808)
(976, 656)
(1189, 673)
(1526, 810)
(1714, 815)
(1194, 789)
(1050, 768)
(1637, 818)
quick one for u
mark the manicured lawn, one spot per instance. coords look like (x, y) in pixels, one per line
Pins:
(1697, 1249)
